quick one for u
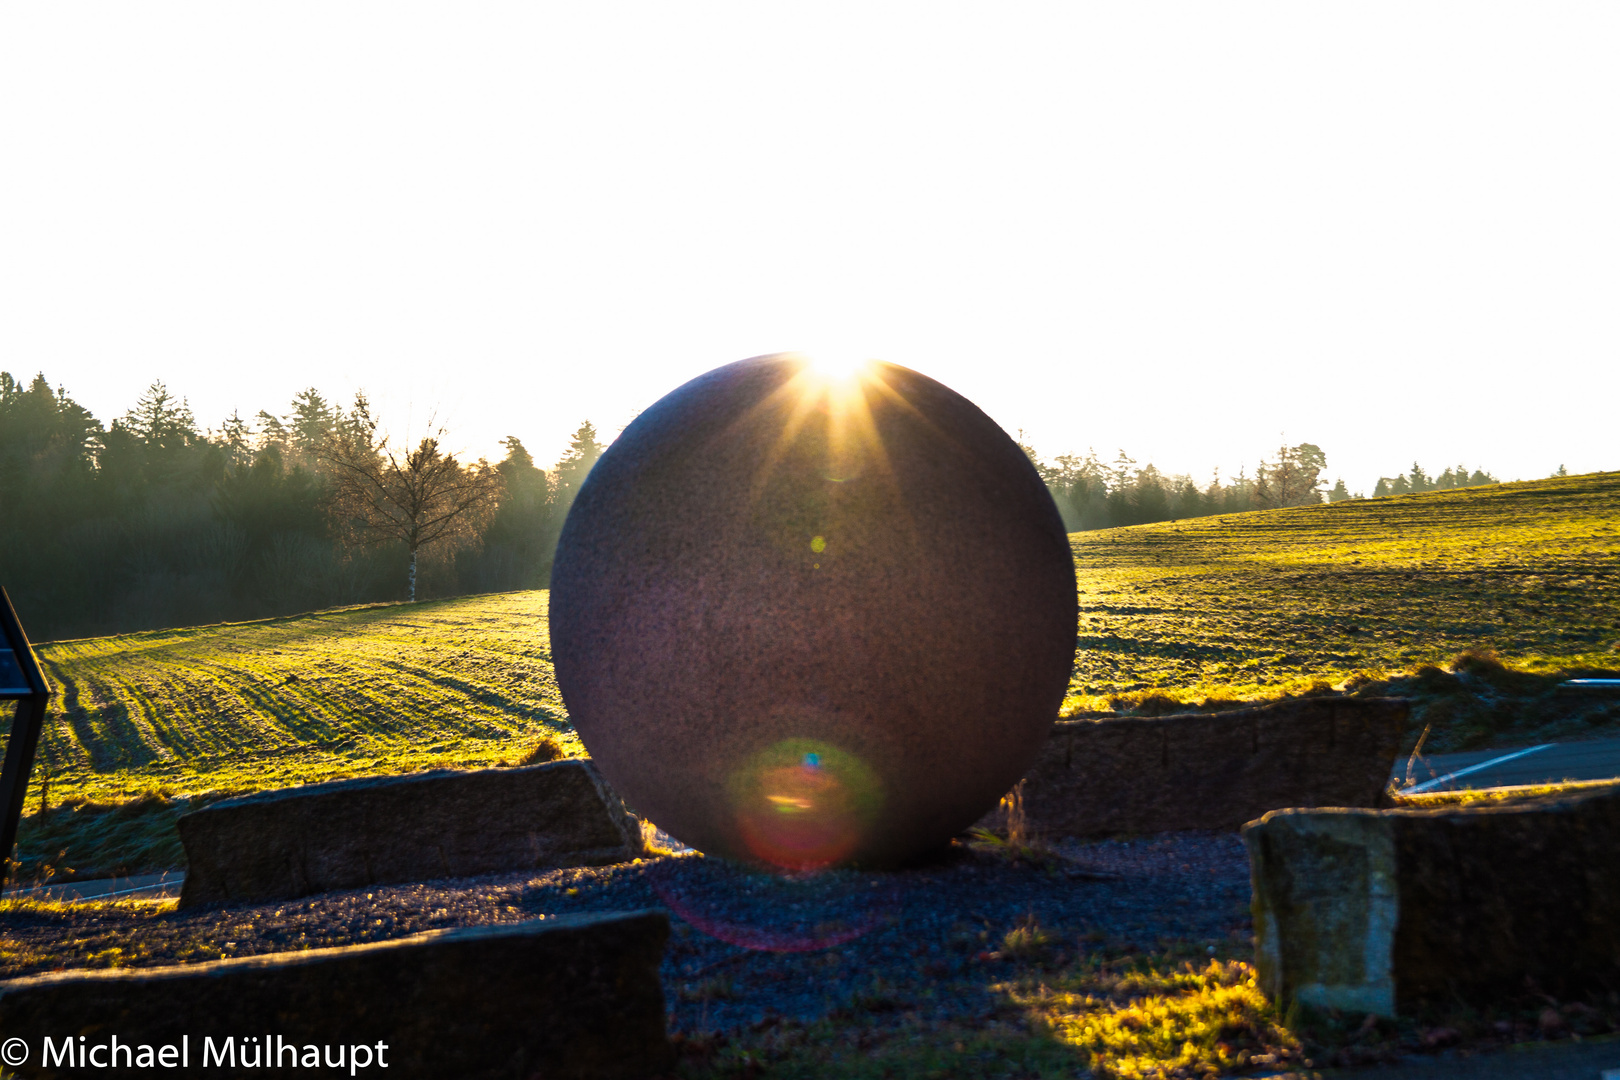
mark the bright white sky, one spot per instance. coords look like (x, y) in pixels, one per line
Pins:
(1183, 229)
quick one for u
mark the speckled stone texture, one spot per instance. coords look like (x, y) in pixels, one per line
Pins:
(1384, 911)
(1209, 770)
(801, 621)
(347, 834)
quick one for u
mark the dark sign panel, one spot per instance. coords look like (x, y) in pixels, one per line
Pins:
(17, 668)
(12, 681)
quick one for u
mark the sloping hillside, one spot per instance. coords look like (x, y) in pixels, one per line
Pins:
(1241, 606)
(1262, 603)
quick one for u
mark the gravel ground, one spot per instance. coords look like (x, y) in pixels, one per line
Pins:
(745, 947)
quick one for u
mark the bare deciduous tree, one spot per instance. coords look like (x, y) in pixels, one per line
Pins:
(417, 496)
(1293, 479)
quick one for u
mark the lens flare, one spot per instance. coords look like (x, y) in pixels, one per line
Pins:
(771, 913)
(803, 805)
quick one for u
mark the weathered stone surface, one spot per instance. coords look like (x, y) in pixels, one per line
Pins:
(576, 996)
(803, 620)
(1325, 907)
(1210, 770)
(1384, 910)
(292, 842)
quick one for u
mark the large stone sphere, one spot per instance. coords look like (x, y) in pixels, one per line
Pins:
(806, 619)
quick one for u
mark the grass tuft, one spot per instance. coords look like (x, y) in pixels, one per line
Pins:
(1143, 1021)
(1028, 941)
(549, 748)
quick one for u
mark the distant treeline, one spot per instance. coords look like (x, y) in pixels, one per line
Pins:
(1418, 480)
(150, 521)
(1092, 494)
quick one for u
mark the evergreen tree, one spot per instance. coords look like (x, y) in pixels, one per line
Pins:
(1189, 502)
(570, 473)
(517, 547)
(310, 424)
(272, 432)
(1079, 487)
(160, 421)
(1121, 506)
(1339, 493)
(44, 435)
(236, 439)
(1150, 501)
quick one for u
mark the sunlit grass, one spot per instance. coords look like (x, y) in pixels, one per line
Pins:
(143, 727)
(1270, 603)
(1150, 1022)
(355, 692)
(1503, 796)
(77, 909)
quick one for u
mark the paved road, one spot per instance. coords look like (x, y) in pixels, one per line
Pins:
(1590, 759)
(1594, 1059)
(139, 887)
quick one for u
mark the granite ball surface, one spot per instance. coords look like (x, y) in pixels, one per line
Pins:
(806, 619)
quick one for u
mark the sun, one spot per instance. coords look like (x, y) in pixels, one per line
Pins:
(835, 365)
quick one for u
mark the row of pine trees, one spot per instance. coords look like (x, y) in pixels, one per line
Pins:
(152, 521)
(1093, 494)
(1417, 480)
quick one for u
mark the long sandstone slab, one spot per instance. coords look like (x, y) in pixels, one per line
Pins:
(277, 845)
(1380, 911)
(564, 998)
(1209, 770)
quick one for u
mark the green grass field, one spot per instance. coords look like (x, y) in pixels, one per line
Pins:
(1359, 595)
(244, 706)
(1266, 603)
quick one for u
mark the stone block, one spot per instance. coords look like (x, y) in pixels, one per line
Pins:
(1384, 910)
(277, 845)
(571, 997)
(1210, 770)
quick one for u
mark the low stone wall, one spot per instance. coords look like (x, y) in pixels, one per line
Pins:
(571, 997)
(1209, 770)
(277, 845)
(1380, 911)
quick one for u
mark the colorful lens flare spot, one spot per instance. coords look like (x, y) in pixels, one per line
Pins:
(803, 805)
